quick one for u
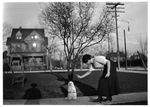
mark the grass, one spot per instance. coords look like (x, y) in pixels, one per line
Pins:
(54, 85)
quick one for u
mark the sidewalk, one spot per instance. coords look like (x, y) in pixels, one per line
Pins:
(129, 70)
(133, 70)
(86, 100)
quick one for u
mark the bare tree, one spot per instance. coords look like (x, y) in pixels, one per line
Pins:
(143, 45)
(73, 24)
(7, 29)
(52, 48)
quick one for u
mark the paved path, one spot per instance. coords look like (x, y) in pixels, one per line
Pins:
(86, 100)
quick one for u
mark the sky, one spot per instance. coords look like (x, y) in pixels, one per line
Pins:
(26, 14)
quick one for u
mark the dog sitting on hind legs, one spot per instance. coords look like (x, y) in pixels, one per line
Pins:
(72, 94)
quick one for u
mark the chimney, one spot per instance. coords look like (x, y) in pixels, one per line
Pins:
(20, 28)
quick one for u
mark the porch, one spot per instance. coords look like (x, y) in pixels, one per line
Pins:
(28, 61)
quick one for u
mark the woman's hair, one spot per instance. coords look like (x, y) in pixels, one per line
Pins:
(86, 57)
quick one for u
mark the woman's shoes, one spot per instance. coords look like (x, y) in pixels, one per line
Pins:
(108, 99)
(98, 100)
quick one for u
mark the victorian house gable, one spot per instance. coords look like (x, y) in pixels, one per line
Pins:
(27, 40)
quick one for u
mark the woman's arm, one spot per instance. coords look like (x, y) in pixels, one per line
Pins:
(84, 75)
(87, 73)
(108, 69)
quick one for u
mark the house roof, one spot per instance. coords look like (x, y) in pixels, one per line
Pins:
(25, 32)
(114, 54)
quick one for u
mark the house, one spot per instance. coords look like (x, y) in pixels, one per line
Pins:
(27, 47)
(114, 55)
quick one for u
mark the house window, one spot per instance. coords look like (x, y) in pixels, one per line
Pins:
(34, 37)
(18, 35)
(19, 46)
(34, 44)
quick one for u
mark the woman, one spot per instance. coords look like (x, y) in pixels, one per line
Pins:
(108, 82)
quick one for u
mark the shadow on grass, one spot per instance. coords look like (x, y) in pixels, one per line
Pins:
(84, 89)
(64, 90)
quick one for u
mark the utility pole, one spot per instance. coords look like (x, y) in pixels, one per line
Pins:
(125, 50)
(125, 43)
(114, 6)
(108, 44)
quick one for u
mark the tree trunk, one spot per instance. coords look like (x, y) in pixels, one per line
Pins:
(68, 69)
(70, 73)
(70, 77)
(50, 63)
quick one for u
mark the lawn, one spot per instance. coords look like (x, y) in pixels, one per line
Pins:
(54, 85)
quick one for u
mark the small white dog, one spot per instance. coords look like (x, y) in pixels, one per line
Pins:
(72, 94)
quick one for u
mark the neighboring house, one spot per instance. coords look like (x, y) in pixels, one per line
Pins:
(29, 45)
(114, 55)
(134, 57)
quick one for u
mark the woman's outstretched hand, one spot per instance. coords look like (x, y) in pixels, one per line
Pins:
(107, 75)
(78, 76)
